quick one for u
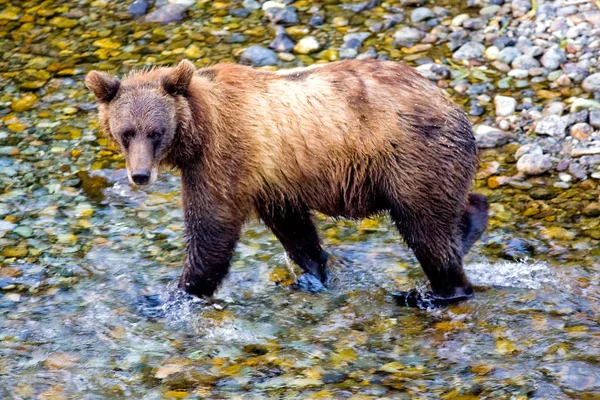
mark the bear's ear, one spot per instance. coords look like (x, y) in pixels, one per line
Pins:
(104, 86)
(179, 79)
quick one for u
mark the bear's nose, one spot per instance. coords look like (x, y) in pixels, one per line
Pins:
(141, 176)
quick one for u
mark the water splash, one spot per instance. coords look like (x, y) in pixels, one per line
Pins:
(523, 274)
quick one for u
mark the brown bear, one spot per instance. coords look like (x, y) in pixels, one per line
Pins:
(348, 139)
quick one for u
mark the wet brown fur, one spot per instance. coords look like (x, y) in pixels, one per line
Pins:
(348, 139)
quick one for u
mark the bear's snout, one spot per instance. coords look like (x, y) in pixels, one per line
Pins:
(141, 177)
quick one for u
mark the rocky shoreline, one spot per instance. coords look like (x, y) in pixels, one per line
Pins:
(527, 70)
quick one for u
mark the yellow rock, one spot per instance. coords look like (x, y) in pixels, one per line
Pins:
(16, 127)
(67, 238)
(9, 272)
(107, 44)
(556, 232)
(392, 367)
(447, 326)
(193, 52)
(62, 22)
(481, 369)
(18, 252)
(176, 394)
(24, 103)
(10, 13)
(505, 347)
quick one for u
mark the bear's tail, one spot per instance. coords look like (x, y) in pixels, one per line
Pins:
(474, 220)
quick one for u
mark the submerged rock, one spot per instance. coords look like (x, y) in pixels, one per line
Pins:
(138, 8)
(534, 164)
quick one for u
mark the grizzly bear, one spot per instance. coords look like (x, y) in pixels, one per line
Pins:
(348, 139)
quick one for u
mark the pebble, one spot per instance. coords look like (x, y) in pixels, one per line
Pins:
(138, 8)
(594, 118)
(578, 171)
(251, 5)
(592, 83)
(524, 62)
(530, 148)
(505, 105)
(24, 103)
(468, 51)
(552, 125)
(434, 72)
(307, 45)
(488, 137)
(534, 164)
(581, 131)
(317, 19)
(282, 42)
(258, 56)
(283, 16)
(167, 13)
(406, 37)
(553, 58)
(421, 14)
(508, 54)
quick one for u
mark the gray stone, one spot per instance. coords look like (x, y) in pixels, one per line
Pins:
(552, 125)
(585, 151)
(434, 72)
(534, 164)
(421, 14)
(553, 58)
(251, 5)
(577, 170)
(524, 62)
(282, 43)
(508, 54)
(138, 8)
(406, 37)
(505, 105)
(283, 16)
(592, 83)
(530, 148)
(474, 23)
(594, 118)
(360, 7)
(167, 13)
(358, 37)
(258, 56)
(520, 7)
(469, 51)
(488, 137)
(347, 53)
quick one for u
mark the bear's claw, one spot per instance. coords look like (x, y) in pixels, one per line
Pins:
(426, 300)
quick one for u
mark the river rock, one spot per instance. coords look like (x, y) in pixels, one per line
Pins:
(524, 62)
(594, 118)
(307, 45)
(167, 13)
(282, 42)
(406, 37)
(552, 125)
(534, 164)
(581, 131)
(553, 58)
(592, 83)
(505, 105)
(421, 14)
(283, 16)
(434, 72)
(530, 148)
(488, 137)
(138, 8)
(258, 56)
(469, 51)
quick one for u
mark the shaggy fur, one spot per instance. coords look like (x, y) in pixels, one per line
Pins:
(349, 139)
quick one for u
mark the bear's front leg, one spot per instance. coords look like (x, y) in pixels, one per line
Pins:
(210, 247)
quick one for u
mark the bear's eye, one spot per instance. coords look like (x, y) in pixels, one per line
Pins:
(155, 135)
(127, 136)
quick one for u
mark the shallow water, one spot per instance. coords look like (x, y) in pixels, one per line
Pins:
(89, 309)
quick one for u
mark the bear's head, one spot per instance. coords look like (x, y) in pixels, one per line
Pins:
(140, 114)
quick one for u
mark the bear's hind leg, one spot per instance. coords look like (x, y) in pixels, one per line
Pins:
(292, 224)
(436, 242)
